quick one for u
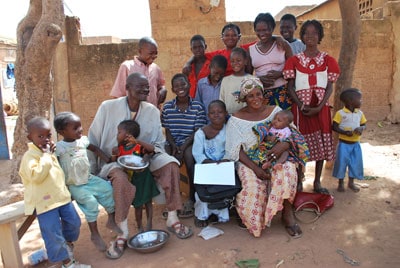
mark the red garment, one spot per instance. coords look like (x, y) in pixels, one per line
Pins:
(227, 54)
(312, 76)
(127, 150)
(204, 72)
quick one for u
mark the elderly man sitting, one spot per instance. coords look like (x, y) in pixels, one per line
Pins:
(165, 168)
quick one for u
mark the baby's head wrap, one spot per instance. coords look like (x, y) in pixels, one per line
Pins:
(248, 84)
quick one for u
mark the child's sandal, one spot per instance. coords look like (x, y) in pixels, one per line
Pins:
(116, 249)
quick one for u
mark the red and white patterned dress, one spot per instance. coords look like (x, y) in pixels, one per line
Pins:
(312, 76)
(256, 205)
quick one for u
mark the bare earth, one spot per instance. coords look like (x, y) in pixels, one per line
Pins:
(364, 225)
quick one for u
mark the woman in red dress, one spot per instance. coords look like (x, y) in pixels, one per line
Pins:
(310, 76)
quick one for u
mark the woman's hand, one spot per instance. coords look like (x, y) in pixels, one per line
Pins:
(310, 111)
(267, 81)
(277, 150)
(273, 74)
(262, 174)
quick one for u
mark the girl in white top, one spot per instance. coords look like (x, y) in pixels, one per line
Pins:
(231, 84)
(209, 147)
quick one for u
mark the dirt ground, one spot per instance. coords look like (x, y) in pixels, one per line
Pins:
(364, 225)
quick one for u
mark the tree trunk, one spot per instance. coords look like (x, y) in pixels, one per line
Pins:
(37, 37)
(351, 29)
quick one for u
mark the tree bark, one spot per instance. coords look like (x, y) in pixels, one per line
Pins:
(37, 37)
(351, 29)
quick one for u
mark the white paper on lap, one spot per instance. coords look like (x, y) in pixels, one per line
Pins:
(216, 174)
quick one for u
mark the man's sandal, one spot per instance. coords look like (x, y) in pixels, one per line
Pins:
(180, 230)
(116, 249)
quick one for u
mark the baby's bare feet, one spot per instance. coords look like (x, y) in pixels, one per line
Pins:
(278, 166)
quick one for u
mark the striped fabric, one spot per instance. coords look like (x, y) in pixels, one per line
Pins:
(183, 124)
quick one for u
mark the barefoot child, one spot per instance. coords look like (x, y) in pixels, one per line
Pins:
(209, 147)
(47, 196)
(349, 122)
(146, 188)
(88, 190)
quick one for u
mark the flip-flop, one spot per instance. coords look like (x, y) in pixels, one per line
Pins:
(294, 231)
(115, 251)
(180, 230)
(321, 190)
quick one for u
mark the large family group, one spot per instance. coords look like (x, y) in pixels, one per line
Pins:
(263, 105)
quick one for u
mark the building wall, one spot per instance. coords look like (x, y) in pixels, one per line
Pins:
(327, 10)
(84, 74)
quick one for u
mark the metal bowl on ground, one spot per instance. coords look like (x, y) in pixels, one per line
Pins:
(132, 162)
(148, 242)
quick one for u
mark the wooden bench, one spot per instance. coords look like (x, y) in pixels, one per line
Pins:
(10, 235)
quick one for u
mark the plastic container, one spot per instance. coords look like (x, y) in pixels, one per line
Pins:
(37, 257)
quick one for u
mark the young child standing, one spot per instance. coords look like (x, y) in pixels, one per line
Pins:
(199, 67)
(209, 147)
(47, 196)
(88, 190)
(231, 83)
(146, 188)
(181, 117)
(350, 123)
(208, 88)
(288, 26)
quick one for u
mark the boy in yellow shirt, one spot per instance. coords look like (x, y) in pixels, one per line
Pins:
(349, 122)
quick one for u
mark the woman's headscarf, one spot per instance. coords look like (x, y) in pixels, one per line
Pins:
(248, 84)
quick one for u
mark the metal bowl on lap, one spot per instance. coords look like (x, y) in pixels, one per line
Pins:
(148, 242)
(132, 162)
